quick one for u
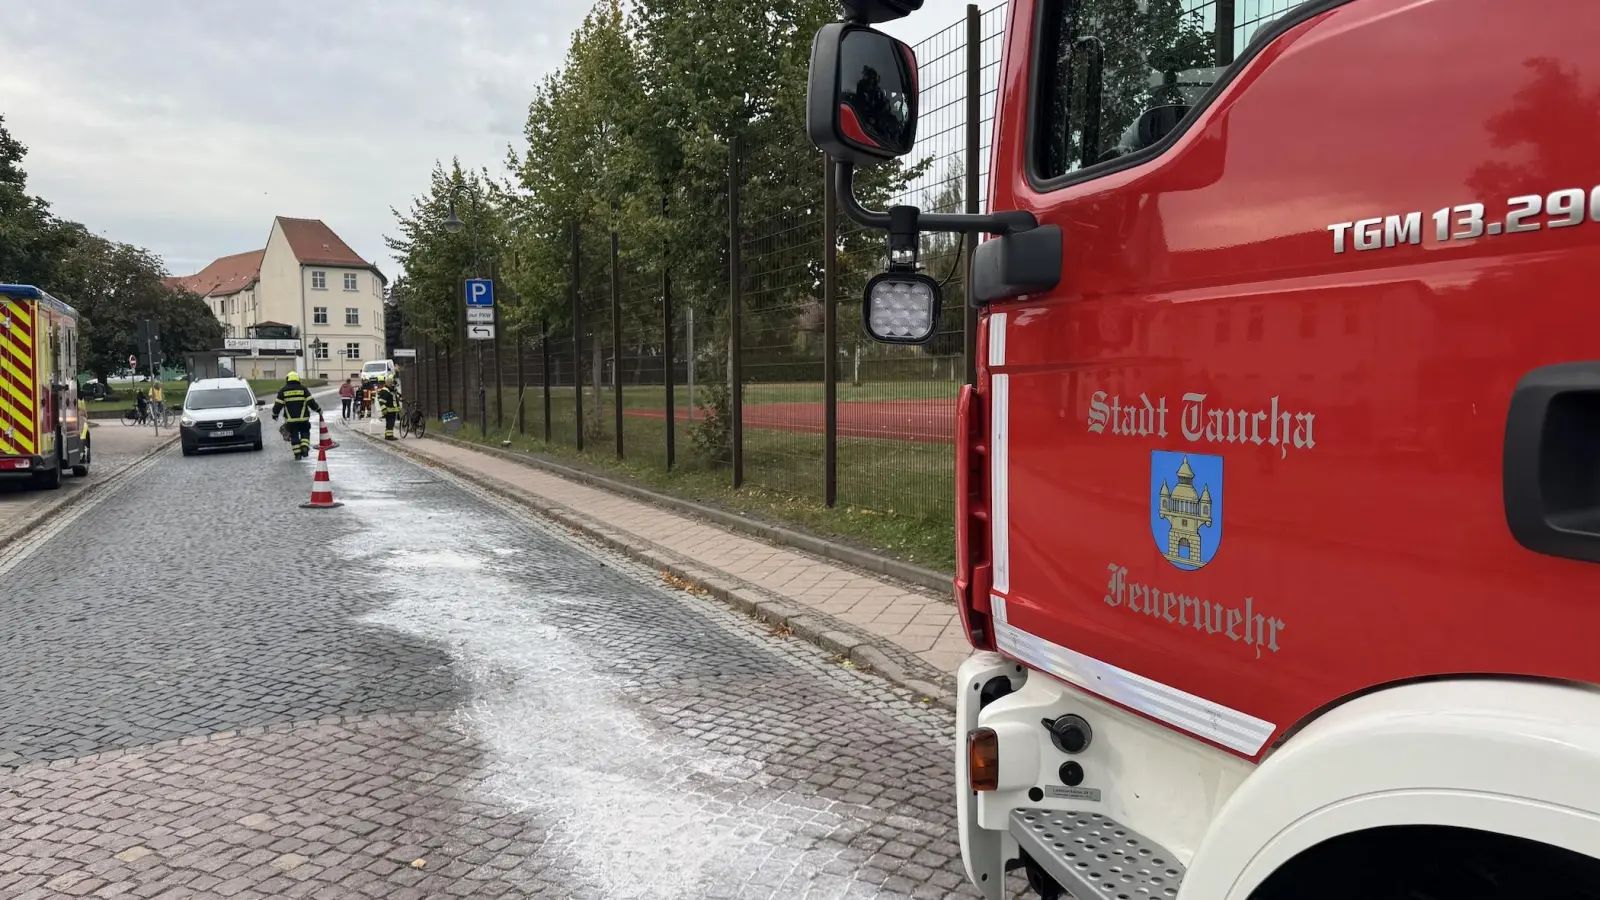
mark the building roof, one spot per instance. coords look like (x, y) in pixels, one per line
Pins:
(314, 243)
(225, 276)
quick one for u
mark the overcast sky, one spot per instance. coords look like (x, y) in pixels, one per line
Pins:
(186, 125)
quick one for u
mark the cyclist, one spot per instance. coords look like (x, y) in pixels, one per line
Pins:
(347, 397)
(296, 404)
(144, 407)
(389, 405)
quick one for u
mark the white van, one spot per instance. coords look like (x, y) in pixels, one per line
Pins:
(379, 368)
(382, 368)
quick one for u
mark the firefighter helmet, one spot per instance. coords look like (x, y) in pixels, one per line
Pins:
(292, 376)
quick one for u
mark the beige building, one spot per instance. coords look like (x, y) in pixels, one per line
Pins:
(306, 293)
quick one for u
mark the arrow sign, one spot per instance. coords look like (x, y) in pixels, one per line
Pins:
(480, 332)
(480, 292)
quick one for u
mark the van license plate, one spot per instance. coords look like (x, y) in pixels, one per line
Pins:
(222, 434)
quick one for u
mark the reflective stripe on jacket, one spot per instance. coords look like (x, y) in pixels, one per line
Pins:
(295, 402)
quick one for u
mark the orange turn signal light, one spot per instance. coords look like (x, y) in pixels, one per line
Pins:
(983, 759)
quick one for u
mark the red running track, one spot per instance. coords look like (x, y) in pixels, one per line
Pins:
(922, 421)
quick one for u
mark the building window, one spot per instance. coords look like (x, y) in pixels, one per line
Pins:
(319, 315)
(322, 351)
(352, 350)
(349, 281)
(352, 315)
(319, 280)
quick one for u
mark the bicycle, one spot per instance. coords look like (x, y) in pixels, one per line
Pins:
(412, 421)
(164, 419)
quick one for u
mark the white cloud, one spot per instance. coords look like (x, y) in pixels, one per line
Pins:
(186, 125)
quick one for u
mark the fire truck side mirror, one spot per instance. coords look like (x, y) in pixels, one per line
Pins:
(861, 97)
(873, 12)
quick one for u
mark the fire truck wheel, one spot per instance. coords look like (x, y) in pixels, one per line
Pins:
(1426, 862)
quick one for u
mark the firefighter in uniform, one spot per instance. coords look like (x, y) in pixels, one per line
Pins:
(389, 403)
(296, 404)
(369, 388)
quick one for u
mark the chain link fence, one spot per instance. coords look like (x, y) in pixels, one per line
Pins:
(640, 373)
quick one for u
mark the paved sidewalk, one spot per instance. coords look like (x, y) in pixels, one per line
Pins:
(922, 624)
(115, 447)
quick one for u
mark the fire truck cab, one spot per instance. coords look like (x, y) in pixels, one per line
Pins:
(43, 432)
(1278, 506)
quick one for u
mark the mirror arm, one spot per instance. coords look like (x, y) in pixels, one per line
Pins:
(1008, 222)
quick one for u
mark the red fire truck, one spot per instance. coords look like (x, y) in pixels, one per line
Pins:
(1279, 483)
(43, 433)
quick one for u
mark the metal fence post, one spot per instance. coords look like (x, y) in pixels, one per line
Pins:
(969, 316)
(830, 335)
(735, 301)
(575, 287)
(522, 379)
(666, 347)
(544, 376)
(616, 340)
(499, 382)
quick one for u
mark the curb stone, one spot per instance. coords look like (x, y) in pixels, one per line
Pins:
(16, 530)
(938, 582)
(866, 651)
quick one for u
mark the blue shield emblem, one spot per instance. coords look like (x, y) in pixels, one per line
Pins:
(1186, 507)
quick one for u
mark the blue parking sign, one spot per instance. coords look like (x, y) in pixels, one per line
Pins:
(480, 292)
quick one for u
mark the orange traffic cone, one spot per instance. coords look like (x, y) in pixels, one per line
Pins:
(321, 488)
(326, 443)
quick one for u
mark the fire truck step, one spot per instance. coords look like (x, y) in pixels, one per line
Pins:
(1093, 856)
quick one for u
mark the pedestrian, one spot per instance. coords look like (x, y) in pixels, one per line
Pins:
(347, 397)
(296, 404)
(156, 398)
(389, 403)
(144, 406)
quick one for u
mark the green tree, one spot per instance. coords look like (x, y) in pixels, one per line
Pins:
(113, 285)
(394, 316)
(31, 240)
(437, 261)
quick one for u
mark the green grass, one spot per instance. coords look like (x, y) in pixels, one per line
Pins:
(655, 396)
(174, 392)
(894, 497)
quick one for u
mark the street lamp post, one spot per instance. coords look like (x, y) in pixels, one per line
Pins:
(452, 224)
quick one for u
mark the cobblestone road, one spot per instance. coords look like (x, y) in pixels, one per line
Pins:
(206, 691)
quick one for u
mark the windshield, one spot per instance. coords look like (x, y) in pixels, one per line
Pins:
(376, 367)
(219, 398)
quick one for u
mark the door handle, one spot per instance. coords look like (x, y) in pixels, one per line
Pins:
(1551, 474)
